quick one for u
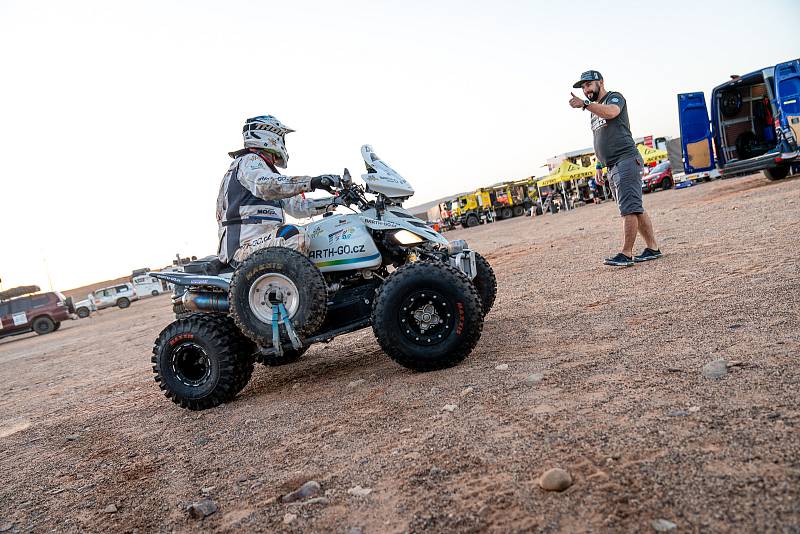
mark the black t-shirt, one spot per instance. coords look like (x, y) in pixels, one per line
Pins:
(612, 138)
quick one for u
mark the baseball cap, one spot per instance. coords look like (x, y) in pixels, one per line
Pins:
(588, 76)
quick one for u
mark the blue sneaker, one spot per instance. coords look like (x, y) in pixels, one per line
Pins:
(647, 255)
(620, 260)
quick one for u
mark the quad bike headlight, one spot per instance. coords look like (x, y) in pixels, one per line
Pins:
(404, 237)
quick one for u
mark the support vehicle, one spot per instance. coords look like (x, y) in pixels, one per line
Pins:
(474, 209)
(754, 124)
(425, 298)
(24, 310)
(510, 199)
(120, 295)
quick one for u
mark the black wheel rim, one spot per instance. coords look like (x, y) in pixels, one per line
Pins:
(190, 364)
(426, 317)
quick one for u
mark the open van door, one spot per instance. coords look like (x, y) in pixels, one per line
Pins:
(698, 154)
(787, 95)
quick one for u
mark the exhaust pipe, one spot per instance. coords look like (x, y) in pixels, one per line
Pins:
(206, 302)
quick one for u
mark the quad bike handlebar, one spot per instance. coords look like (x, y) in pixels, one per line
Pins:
(350, 193)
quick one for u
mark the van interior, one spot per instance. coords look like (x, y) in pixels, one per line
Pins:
(746, 117)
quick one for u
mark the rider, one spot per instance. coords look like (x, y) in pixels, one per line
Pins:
(254, 195)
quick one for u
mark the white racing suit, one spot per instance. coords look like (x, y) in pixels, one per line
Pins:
(252, 200)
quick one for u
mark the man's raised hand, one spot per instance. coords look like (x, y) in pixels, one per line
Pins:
(575, 102)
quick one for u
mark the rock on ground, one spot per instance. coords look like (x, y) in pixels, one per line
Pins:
(201, 509)
(662, 525)
(311, 488)
(715, 369)
(555, 479)
(358, 491)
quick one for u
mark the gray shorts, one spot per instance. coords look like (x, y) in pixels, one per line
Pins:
(626, 179)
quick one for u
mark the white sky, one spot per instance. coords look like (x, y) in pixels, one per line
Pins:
(115, 117)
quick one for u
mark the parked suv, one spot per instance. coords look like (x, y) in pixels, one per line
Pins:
(660, 177)
(120, 295)
(84, 308)
(754, 124)
(41, 313)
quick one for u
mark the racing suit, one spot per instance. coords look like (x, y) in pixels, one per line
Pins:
(252, 200)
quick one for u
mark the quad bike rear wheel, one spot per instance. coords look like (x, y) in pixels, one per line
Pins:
(202, 360)
(272, 274)
(427, 316)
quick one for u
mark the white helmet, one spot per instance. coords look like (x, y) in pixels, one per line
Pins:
(267, 133)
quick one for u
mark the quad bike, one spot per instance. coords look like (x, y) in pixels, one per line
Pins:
(425, 297)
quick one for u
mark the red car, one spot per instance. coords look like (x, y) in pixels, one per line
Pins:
(660, 177)
(41, 313)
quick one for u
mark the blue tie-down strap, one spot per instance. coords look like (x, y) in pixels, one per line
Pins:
(276, 333)
(281, 317)
(287, 323)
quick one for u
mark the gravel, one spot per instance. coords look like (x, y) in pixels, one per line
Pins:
(605, 340)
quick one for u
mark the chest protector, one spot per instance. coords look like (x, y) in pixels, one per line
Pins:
(244, 211)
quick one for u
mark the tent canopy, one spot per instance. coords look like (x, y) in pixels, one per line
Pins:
(566, 172)
(651, 155)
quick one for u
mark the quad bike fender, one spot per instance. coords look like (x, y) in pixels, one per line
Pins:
(188, 279)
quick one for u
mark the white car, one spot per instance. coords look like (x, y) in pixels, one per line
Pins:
(120, 295)
(84, 308)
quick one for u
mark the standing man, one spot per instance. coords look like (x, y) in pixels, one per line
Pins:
(615, 149)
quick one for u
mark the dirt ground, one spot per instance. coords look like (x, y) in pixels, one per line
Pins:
(622, 404)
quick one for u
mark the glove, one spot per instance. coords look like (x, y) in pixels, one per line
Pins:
(326, 181)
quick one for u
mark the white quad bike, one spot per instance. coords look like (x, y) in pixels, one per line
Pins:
(425, 297)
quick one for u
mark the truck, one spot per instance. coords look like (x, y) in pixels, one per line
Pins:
(512, 199)
(474, 209)
(754, 124)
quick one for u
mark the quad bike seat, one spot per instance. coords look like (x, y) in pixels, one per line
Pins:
(210, 266)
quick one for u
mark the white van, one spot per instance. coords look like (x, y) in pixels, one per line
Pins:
(147, 286)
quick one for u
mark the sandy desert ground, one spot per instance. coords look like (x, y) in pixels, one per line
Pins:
(89, 444)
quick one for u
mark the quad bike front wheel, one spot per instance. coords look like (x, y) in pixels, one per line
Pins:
(427, 316)
(277, 274)
(202, 360)
(485, 282)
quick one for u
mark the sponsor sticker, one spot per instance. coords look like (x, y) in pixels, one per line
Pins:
(19, 318)
(336, 251)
